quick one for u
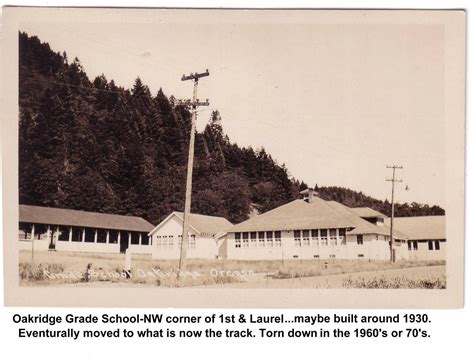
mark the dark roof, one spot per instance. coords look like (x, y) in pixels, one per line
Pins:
(67, 217)
(367, 212)
(421, 227)
(295, 215)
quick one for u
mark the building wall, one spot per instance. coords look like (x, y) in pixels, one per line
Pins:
(423, 252)
(42, 240)
(26, 244)
(203, 246)
(77, 246)
(373, 248)
(140, 249)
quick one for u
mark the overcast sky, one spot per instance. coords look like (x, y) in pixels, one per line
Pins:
(335, 103)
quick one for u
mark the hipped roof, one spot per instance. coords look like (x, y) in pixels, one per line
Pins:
(367, 212)
(68, 217)
(296, 215)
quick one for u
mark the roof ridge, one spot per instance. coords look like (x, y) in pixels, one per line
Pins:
(85, 211)
(192, 213)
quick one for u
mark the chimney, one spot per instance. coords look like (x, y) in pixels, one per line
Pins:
(308, 194)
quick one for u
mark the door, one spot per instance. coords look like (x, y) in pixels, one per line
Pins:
(123, 241)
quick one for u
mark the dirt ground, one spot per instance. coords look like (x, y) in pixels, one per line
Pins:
(338, 280)
(106, 270)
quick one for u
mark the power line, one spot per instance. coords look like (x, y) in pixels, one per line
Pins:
(79, 86)
(124, 104)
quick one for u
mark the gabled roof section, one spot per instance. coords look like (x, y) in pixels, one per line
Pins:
(367, 212)
(207, 224)
(295, 215)
(421, 227)
(202, 224)
(68, 217)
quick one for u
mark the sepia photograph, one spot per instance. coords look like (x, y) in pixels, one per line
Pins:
(235, 153)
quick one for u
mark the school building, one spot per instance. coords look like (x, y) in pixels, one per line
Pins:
(48, 228)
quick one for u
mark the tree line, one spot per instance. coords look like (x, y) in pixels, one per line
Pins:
(93, 145)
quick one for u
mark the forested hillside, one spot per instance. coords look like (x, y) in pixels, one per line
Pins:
(95, 146)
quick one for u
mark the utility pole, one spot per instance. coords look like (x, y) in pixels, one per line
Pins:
(189, 177)
(392, 180)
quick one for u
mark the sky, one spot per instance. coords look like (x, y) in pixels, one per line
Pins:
(336, 103)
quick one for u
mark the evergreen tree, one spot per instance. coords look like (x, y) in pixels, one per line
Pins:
(92, 145)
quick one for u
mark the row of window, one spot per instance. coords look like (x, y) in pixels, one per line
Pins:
(432, 245)
(302, 238)
(317, 237)
(167, 241)
(258, 239)
(79, 234)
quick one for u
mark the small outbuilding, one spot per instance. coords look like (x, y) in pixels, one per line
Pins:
(426, 236)
(203, 240)
(48, 228)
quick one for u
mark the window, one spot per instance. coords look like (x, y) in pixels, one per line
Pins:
(415, 245)
(342, 236)
(253, 239)
(145, 239)
(25, 231)
(164, 241)
(360, 239)
(297, 237)
(360, 255)
(269, 238)
(238, 243)
(332, 256)
(305, 237)
(261, 238)
(113, 237)
(245, 240)
(437, 245)
(158, 241)
(295, 256)
(324, 236)
(192, 242)
(63, 233)
(409, 245)
(170, 241)
(89, 235)
(430, 245)
(278, 238)
(316, 256)
(314, 237)
(135, 238)
(333, 236)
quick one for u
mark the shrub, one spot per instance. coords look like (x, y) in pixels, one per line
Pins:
(395, 283)
(36, 272)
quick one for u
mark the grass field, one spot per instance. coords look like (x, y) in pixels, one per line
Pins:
(88, 269)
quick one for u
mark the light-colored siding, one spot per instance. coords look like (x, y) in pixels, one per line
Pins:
(423, 252)
(371, 249)
(205, 246)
